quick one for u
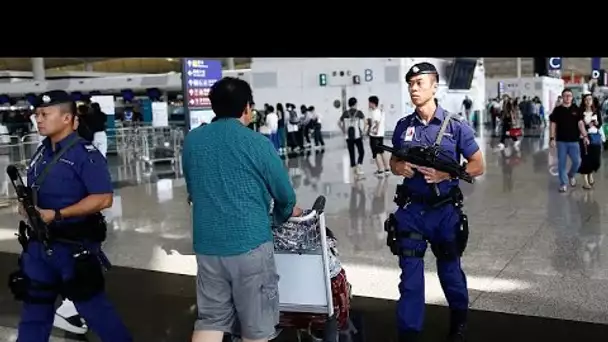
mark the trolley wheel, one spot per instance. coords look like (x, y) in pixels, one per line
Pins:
(331, 330)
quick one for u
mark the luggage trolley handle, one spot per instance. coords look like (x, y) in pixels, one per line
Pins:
(317, 210)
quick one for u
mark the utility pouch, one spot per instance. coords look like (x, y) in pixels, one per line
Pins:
(88, 278)
(18, 283)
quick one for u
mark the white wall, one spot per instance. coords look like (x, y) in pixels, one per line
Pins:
(296, 80)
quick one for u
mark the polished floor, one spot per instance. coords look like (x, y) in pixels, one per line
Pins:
(533, 252)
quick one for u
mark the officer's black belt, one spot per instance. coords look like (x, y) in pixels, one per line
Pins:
(432, 201)
(410, 235)
(92, 228)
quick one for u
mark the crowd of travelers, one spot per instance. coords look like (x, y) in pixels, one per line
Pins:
(289, 130)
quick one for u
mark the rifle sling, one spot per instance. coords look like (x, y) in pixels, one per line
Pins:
(45, 172)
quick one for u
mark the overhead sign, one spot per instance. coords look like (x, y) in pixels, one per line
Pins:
(596, 64)
(554, 63)
(198, 75)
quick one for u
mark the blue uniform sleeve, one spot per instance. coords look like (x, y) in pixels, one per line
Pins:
(277, 181)
(94, 172)
(466, 141)
(397, 133)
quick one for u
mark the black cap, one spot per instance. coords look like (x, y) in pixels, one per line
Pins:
(51, 98)
(421, 69)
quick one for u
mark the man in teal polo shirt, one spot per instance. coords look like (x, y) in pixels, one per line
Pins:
(232, 174)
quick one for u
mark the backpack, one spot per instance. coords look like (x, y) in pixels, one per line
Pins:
(293, 117)
(352, 124)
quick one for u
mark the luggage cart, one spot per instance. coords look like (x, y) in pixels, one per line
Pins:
(304, 277)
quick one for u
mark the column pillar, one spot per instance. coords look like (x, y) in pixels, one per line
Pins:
(230, 63)
(518, 67)
(38, 69)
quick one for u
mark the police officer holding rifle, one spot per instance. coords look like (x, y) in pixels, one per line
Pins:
(430, 206)
(69, 183)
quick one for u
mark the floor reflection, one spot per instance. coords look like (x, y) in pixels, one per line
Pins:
(532, 251)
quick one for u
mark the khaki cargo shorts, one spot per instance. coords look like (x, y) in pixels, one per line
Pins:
(238, 294)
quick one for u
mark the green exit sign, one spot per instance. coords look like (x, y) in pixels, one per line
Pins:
(322, 80)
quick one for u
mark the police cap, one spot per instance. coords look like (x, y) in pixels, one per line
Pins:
(423, 68)
(53, 97)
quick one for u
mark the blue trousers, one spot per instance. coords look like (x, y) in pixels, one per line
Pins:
(274, 139)
(37, 319)
(439, 226)
(564, 150)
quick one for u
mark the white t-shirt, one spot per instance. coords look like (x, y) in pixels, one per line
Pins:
(588, 117)
(272, 122)
(316, 116)
(378, 128)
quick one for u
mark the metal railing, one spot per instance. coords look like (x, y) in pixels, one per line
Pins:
(144, 144)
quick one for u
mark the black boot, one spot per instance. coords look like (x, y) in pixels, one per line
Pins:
(458, 326)
(409, 336)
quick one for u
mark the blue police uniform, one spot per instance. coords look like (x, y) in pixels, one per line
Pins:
(420, 223)
(79, 172)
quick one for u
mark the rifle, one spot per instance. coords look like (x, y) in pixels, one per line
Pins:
(26, 199)
(429, 156)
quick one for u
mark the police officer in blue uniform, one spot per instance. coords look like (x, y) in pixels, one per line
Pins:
(71, 184)
(430, 207)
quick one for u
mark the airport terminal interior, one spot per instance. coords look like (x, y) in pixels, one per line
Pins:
(535, 261)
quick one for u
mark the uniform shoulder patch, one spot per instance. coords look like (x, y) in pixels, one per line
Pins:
(404, 119)
(454, 117)
(90, 147)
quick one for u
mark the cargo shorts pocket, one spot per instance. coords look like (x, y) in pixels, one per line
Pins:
(270, 299)
(270, 288)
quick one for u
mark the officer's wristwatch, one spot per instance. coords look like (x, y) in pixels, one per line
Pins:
(58, 216)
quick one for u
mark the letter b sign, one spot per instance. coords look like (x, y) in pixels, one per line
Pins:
(368, 75)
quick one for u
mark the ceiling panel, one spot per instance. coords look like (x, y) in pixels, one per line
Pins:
(25, 64)
(100, 64)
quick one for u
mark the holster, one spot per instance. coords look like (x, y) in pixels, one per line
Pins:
(462, 235)
(390, 227)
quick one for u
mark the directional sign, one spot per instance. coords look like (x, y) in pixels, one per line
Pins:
(198, 75)
(554, 63)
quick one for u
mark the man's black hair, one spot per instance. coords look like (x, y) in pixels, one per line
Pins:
(374, 99)
(352, 102)
(311, 108)
(269, 108)
(229, 97)
(567, 90)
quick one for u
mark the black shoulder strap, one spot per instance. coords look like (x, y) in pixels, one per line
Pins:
(45, 172)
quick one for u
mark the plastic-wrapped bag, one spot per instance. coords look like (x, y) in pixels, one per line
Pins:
(305, 237)
(297, 237)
